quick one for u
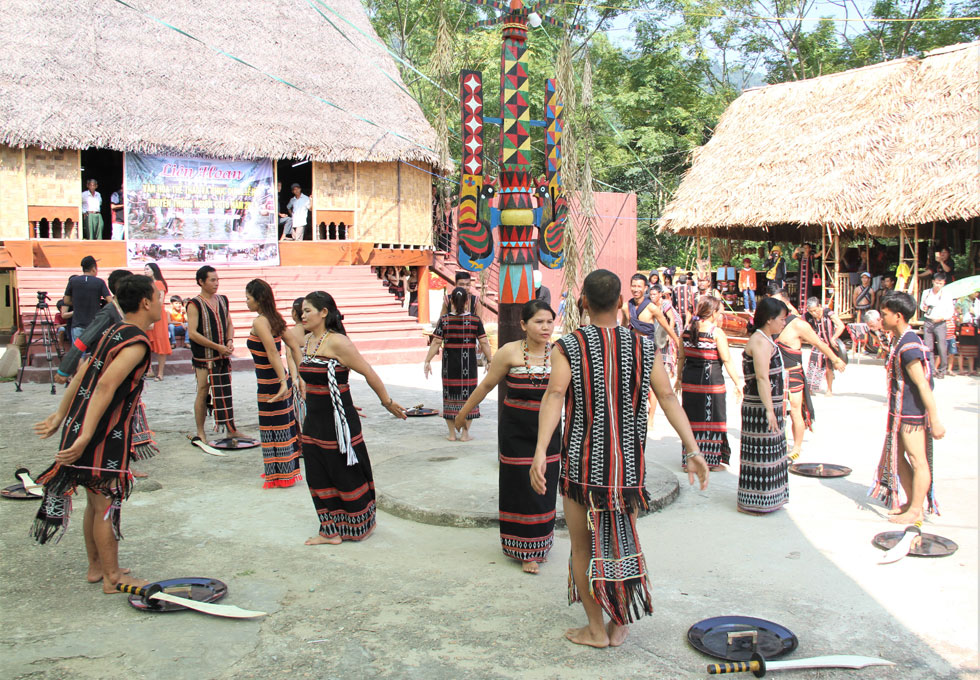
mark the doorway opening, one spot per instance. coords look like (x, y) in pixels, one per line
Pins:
(105, 166)
(289, 172)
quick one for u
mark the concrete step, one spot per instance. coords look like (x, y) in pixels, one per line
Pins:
(375, 321)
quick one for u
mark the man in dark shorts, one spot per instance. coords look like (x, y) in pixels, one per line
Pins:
(85, 294)
(94, 452)
(913, 419)
(790, 343)
(211, 335)
(602, 458)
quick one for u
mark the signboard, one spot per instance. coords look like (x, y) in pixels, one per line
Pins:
(194, 211)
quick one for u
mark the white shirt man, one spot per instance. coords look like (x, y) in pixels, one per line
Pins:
(299, 208)
(936, 306)
(91, 201)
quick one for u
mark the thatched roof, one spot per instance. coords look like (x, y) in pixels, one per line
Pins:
(864, 150)
(97, 73)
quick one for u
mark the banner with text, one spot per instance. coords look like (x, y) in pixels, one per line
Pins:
(184, 210)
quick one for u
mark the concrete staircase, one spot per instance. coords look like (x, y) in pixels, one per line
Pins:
(379, 327)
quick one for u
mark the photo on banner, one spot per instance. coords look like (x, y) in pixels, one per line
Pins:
(194, 211)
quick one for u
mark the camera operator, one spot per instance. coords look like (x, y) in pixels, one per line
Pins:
(85, 294)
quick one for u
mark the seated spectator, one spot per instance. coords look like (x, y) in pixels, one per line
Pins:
(62, 323)
(178, 321)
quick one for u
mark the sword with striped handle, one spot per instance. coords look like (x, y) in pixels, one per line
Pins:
(758, 666)
(155, 592)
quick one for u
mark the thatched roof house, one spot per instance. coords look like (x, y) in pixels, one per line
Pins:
(100, 73)
(868, 150)
(97, 73)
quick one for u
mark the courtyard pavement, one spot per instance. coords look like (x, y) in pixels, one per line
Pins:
(424, 600)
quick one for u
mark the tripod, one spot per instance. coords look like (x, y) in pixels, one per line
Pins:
(42, 317)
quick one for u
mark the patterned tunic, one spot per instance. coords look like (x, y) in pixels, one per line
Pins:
(763, 484)
(277, 421)
(460, 334)
(527, 519)
(703, 398)
(907, 410)
(212, 323)
(104, 464)
(602, 459)
(338, 470)
(816, 368)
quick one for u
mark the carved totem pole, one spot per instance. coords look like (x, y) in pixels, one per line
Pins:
(523, 206)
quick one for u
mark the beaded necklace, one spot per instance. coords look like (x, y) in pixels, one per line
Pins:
(306, 349)
(537, 382)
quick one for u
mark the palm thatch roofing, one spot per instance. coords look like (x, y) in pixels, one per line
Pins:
(110, 74)
(868, 150)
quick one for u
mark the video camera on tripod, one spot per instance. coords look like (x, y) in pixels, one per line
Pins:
(44, 324)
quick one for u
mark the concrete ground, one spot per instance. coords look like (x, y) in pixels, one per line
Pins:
(423, 601)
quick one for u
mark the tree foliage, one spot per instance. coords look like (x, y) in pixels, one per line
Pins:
(659, 98)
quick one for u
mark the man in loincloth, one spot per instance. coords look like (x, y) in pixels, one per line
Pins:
(606, 371)
(211, 335)
(829, 327)
(790, 342)
(645, 317)
(913, 419)
(96, 413)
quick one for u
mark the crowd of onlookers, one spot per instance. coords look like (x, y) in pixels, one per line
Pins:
(86, 293)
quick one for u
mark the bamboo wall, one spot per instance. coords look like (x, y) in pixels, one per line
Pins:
(13, 194)
(392, 201)
(54, 177)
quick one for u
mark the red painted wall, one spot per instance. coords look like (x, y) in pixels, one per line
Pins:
(614, 238)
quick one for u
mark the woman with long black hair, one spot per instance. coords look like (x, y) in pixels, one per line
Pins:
(763, 476)
(527, 519)
(338, 470)
(458, 333)
(159, 332)
(277, 420)
(703, 385)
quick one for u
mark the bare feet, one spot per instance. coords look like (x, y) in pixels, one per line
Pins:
(321, 540)
(900, 509)
(530, 567)
(907, 517)
(585, 636)
(466, 437)
(110, 588)
(450, 437)
(94, 574)
(617, 634)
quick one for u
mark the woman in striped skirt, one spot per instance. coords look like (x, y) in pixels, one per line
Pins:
(527, 519)
(338, 469)
(277, 420)
(703, 385)
(458, 334)
(764, 465)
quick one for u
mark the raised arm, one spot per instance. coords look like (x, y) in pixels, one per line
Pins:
(806, 333)
(110, 379)
(347, 354)
(52, 423)
(696, 465)
(498, 369)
